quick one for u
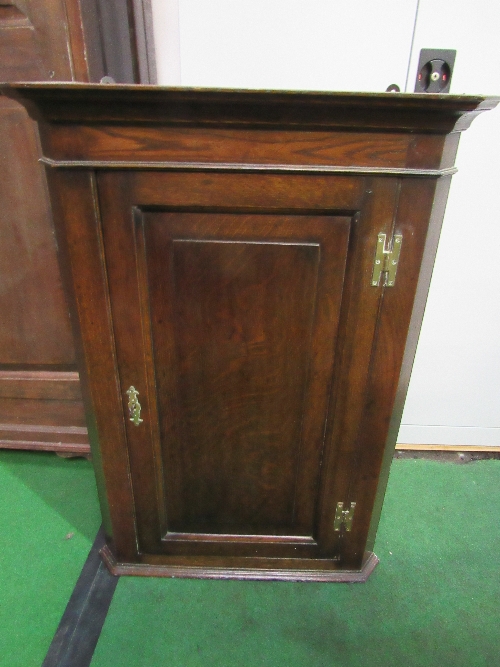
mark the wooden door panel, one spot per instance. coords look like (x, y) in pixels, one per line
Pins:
(245, 338)
(242, 321)
(227, 327)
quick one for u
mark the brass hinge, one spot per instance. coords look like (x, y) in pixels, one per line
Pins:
(344, 517)
(386, 260)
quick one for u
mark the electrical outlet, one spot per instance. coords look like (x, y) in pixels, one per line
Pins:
(435, 68)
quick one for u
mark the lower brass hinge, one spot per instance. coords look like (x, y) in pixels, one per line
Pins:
(344, 517)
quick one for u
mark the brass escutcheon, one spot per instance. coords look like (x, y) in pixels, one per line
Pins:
(134, 407)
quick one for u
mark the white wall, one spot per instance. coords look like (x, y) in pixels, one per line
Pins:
(298, 44)
(326, 45)
(166, 29)
(454, 394)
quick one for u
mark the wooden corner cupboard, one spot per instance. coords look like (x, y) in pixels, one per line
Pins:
(248, 273)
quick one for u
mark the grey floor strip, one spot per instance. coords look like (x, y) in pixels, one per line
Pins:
(78, 632)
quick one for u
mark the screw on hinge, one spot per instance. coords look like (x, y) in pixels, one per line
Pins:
(344, 517)
(386, 260)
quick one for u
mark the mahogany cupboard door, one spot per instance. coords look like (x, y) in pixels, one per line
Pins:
(243, 316)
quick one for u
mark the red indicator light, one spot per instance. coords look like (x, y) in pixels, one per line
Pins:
(444, 77)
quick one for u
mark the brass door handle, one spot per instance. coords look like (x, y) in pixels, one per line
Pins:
(134, 407)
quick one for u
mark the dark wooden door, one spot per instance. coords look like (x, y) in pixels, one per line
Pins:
(58, 40)
(40, 400)
(230, 296)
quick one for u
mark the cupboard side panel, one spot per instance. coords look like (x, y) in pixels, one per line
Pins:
(413, 211)
(431, 241)
(123, 254)
(357, 331)
(78, 226)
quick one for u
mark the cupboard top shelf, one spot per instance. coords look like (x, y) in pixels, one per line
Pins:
(135, 104)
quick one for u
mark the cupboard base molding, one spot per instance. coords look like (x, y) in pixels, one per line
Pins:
(146, 569)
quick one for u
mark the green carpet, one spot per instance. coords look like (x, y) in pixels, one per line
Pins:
(49, 519)
(432, 601)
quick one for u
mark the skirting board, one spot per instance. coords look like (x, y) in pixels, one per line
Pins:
(446, 448)
(80, 449)
(42, 411)
(64, 440)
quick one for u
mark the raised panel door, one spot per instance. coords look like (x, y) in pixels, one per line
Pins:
(241, 310)
(226, 301)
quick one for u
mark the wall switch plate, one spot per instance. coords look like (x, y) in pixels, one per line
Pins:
(434, 71)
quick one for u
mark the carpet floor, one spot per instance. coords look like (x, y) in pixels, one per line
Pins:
(433, 600)
(49, 519)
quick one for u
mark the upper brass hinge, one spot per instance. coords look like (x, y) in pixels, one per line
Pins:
(344, 517)
(386, 260)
